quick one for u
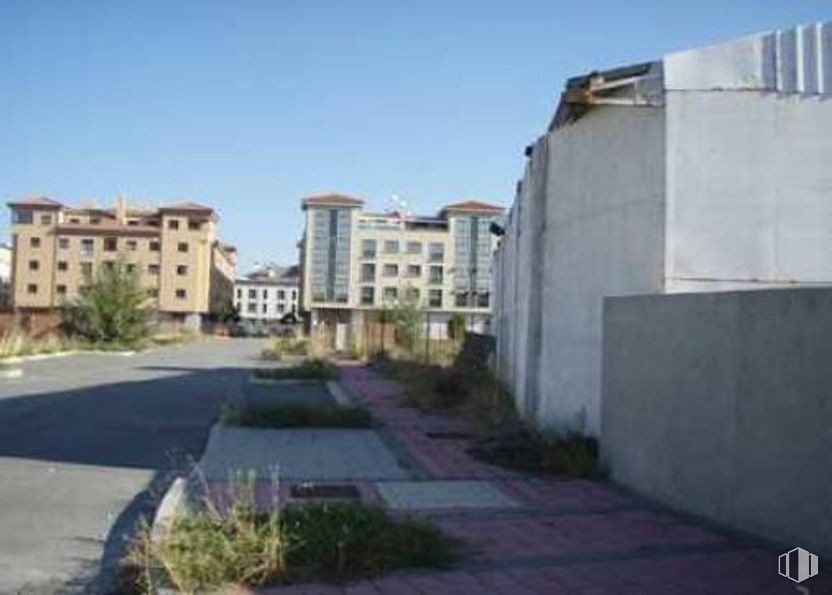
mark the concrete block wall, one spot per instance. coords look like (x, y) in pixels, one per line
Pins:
(719, 404)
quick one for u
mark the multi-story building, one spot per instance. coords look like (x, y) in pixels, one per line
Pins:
(187, 271)
(355, 264)
(269, 294)
(5, 275)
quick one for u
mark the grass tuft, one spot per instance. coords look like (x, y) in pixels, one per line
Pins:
(288, 415)
(313, 369)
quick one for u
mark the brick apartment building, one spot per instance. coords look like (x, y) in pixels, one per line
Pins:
(185, 268)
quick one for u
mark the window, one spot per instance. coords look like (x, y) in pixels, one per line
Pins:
(368, 296)
(194, 225)
(22, 217)
(391, 246)
(182, 246)
(181, 294)
(181, 270)
(130, 268)
(153, 269)
(63, 265)
(461, 300)
(265, 308)
(368, 272)
(368, 248)
(63, 243)
(152, 292)
(60, 289)
(391, 294)
(390, 270)
(414, 247)
(436, 252)
(110, 244)
(294, 294)
(414, 271)
(281, 308)
(154, 246)
(34, 242)
(482, 300)
(86, 269)
(74, 220)
(412, 294)
(109, 265)
(281, 295)
(132, 245)
(132, 223)
(95, 220)
(435, 275)
(46, 219)
(173, 223)
(34, 265)
(239, 293)
(252, 294)
(252, 307)
(265, 294)
(87, 247)
(31, 289)
(435, 298)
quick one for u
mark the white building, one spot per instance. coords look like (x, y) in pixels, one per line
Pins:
(5, 274)
(706, 170)
(268, 294)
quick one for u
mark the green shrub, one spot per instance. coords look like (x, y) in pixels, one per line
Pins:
(111, 309)
(313, 369)
(298, 415)
(202, 552)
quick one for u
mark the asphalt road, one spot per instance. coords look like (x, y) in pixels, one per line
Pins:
(86, 444)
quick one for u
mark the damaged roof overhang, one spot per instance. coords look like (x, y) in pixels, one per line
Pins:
(634, 85)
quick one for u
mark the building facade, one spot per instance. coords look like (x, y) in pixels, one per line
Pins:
(706, 170)
(356, 264)
(268, 295)
(187, 271)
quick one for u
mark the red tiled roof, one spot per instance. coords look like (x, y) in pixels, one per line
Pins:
(473, 205)
(187, 206)
(37, 201)
(332, 199)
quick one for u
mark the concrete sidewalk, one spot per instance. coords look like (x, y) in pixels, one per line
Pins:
(544, 534)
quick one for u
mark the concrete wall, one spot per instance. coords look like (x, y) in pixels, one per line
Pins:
(587, 223)
(719, 404)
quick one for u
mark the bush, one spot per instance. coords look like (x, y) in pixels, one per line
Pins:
(205, 551)
(298, 415)
(112, 309)
(313, 369)
(283, 346)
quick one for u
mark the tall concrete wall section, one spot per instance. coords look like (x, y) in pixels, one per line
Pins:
(604, 236)
(754, 116)
(718, 404)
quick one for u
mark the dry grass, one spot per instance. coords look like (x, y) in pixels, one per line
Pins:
(18, 343)
(311, 369)
(241, 546)
(281, 347)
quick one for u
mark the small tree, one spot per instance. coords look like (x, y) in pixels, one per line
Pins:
(112, 308)
(456, 326)
(408, 318)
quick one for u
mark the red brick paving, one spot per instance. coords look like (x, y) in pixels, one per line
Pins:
(576, 537)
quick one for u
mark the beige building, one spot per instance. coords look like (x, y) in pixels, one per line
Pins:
(355, 263)
(187, 271)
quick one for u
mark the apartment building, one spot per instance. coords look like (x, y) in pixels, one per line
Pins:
(269, 294)
(356, 263)
(187, 271)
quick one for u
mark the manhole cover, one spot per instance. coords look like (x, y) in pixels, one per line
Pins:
(449, 435)
(325, 491)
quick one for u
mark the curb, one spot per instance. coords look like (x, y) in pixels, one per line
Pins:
(11, 373)
(19, 359)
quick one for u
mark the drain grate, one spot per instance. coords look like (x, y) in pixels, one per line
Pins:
(343, 491)
(449, 435)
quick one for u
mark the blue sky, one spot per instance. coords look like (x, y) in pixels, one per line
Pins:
(249, 105)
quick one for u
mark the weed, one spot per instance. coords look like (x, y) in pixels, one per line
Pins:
(298, 415)
(312, 369)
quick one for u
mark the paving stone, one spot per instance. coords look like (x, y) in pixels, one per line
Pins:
(302, 454)
(415, 495)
